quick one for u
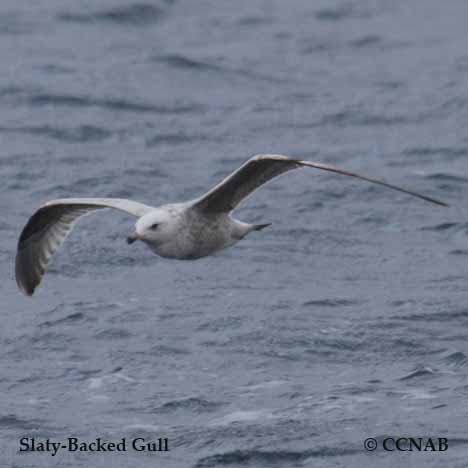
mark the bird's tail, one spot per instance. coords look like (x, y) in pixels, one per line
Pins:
(259, 227)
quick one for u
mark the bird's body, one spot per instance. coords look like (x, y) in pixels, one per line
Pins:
(188, 234)
(183, 231)
(191, 233)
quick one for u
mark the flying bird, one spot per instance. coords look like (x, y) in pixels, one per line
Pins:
(187, 230)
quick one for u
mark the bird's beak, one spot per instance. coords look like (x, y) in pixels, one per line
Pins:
(131, 239)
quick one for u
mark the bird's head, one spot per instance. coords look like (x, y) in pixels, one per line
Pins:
(154, 227)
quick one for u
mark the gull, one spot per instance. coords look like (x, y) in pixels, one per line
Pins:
(187, 230)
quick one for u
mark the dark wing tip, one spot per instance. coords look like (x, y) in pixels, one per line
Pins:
(441, 203)
(27, 292)
(26, 281)
(372, 180)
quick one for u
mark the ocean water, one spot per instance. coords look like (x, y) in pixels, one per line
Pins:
(346, 319)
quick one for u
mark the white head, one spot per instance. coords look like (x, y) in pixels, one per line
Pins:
(155, 227)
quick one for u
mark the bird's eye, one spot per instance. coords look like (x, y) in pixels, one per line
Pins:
(154, 226)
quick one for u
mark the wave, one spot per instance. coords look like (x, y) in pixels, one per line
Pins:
(167, 350)
(439, 227)
(330, 303)
(12, 23)
(113, 334)
(360, 118)
(366, 41)
(456, 358)
(45, 99)
(442, 316)
(182, 62)
(82, 133)
(338, 13)
(445, 151)
(172, 139)
(78, 186)
(448, 226)
(445, 177)
(271, 457)
(71, 318)
(11, 421)
(195, 404)
(138, 14)
(8, 91)
(459, 252)
(422, 372)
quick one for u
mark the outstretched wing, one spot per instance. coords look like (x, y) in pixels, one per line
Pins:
(257, 171)
(260, 169)
(49, 226)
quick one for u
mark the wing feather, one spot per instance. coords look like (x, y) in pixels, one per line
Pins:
(257, 171)
(48, 228)
(260, 169)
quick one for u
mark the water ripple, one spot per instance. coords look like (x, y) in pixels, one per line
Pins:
(82, 133)
(331, 303)
(440, 227)
(195, 404)
(13, 422)
(442, 316)
(361, 118)
(173, 139)
(445, 177)
(456, 358)
(366, 41)
(138, 14)
(459, 252)
(13, 24)
(46, 99)
(181, 62)
(338, 13)
(443, 151)
(71, 318)
(422, 372)
(271, 457)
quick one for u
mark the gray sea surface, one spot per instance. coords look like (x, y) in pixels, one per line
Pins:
(346, 319)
